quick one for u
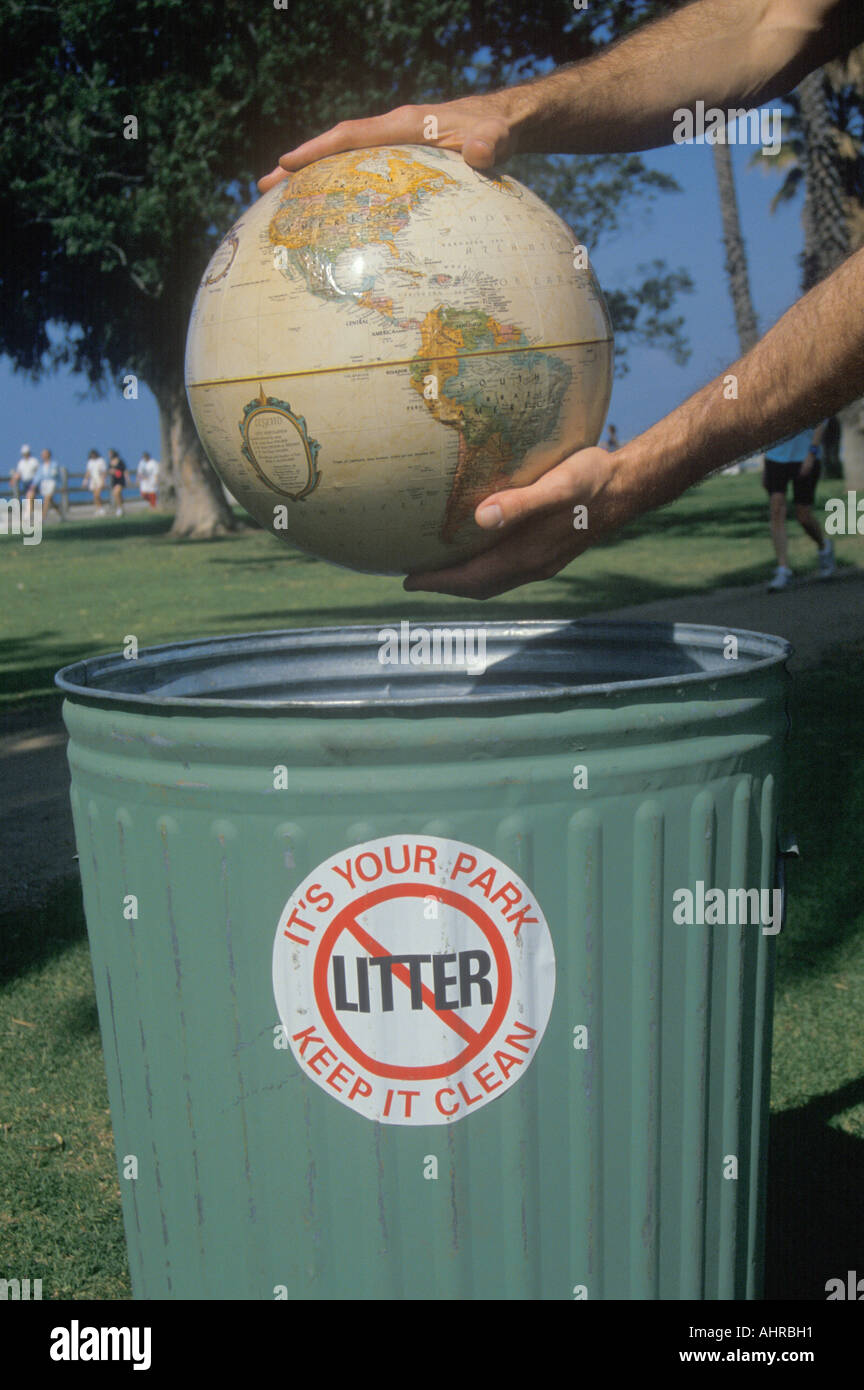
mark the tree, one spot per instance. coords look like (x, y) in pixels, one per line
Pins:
(130, 137)
(825, 215)
(823, 152)
(737, 272)
(736, 253)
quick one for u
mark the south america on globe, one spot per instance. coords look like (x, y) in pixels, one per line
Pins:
(384, 339)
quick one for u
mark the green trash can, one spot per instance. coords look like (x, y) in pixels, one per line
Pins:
(436, 963)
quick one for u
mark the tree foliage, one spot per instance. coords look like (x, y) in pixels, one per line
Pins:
(130, 136)
(842, 90)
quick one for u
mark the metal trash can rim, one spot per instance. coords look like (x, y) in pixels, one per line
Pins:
(332, 669)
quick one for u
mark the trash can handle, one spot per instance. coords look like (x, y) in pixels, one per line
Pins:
(787, 848)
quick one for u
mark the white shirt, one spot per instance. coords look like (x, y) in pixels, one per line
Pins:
(95, 470)
(48, 472)
(26, 467)
(148, 474)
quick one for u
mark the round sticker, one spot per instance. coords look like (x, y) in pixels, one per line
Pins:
(414, 978)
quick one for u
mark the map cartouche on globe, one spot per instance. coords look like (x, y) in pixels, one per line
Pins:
(384, 339)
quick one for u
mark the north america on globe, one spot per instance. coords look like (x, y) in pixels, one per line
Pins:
(385, 339)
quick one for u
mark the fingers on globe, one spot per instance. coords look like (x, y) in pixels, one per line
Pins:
(270, 180)
(463, 581)
(481, 146)
(457, 583)
(402, 126)
(493, 572)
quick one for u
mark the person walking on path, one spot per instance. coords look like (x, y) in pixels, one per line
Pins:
(22, 476)
(795, 461)
(95, 470)
(147, 478)
(118, 479)
(724, 55)
(46, 479)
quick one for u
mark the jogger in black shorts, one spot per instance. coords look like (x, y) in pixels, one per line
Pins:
(803, 472)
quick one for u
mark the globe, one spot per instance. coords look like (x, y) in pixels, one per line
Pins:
(383, 340)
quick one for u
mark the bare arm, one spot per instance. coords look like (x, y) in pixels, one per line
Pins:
(727, 53)
(723, 52)
(813, 452)
(783, 385)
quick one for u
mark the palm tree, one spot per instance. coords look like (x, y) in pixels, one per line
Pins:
(736, 254)
(822, 149)
(737, 271)
(825, 215)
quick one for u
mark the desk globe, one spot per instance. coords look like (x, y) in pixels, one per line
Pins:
(384, 339)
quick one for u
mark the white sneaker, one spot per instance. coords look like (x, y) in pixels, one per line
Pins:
(827, 563)
(782, 579)
(119, 511)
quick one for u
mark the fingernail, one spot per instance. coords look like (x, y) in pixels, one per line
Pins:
(489, 517)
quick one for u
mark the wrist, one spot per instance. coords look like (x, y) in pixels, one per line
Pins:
(656, 466)
(619, 493)
(525, 110)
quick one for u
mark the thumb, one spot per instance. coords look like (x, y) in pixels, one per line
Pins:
(487, 144)
(577, 478)
(502, 509)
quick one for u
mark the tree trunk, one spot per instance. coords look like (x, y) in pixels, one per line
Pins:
(167, 482)
(202, 510)
(826, 214)
(852, 444)
(736, 255)
(826, 238)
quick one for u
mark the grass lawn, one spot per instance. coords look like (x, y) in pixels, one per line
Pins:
(89, 584)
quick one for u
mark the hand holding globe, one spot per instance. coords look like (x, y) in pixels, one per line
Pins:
(484, 129)
(384, 340)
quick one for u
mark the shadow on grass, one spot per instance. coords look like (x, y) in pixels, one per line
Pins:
(29, 663)
(30, 937)
(824, 806)
(280, 554)
(815, 1217)
(78, 1018)
(574, 597)
(707, 522)
(113, 529)
(127, 528)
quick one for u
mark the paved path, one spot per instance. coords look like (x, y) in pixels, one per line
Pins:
(85, 511)
(36, 840)
(814, 615)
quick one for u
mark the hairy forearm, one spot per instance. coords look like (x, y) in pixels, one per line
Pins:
(806, 368)
(727, 53)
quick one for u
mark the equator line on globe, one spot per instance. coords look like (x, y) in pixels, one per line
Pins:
(383, 340)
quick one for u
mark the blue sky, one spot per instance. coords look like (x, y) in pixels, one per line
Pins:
(683, 228)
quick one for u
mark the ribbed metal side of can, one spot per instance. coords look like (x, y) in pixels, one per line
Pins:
(628, 1161)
